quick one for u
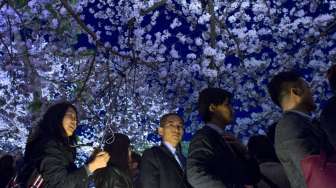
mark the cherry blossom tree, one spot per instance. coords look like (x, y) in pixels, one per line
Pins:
(125, 63)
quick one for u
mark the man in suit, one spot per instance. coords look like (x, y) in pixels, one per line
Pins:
(295, 135)
(215, 158)
(163, 166)
(328, 115)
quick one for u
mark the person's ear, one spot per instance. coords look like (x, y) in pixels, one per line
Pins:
(212, 108)
(160, 131)
(296, 91)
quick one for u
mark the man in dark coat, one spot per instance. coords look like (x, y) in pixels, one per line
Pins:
(216, 159)
(295, 135)
(163, 166)
(328, 115)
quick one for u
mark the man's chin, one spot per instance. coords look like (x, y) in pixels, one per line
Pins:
(175, 142)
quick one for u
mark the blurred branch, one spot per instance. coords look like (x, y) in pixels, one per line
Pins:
(78, 97)
(213, 34)
(331, 28)
(153, 7)
(231, 35)
(3, 3)
(7, 48)
(30, 72)
(312, 41)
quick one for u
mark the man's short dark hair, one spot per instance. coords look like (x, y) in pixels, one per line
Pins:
(280, 84)
(208, 96)
(332, 77)
(164, 118)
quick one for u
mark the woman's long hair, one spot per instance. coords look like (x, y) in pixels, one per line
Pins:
(118, 151)
(51, 126)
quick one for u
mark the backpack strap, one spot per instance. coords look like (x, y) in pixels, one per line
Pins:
(37, 181)
(13, 182)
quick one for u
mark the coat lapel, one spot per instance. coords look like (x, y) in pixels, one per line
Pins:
(171, 158)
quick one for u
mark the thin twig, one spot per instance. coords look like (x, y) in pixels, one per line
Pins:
(3, 3)
(7, 48)
(236, 40)
(78, 97)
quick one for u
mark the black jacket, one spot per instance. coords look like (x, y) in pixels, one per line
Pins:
(296, 138)
(328, 120)
(55, 162)
(159, 169)
(212, 164)
(112, 177)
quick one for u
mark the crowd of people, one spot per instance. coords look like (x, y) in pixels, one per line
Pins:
(215, 159)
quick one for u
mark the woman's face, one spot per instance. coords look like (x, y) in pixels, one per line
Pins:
(70, 121)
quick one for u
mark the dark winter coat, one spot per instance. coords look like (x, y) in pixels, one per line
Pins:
(112, 177)
(328, 120)
(212, 164)
(159, 169)
(55, 162)
(295, 139)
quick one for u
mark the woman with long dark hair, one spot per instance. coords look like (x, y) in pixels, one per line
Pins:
(50, 152)
(117, 173)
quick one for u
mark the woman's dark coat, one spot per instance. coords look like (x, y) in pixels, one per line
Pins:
(55, 162)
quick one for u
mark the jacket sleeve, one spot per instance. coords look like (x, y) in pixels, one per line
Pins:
(328, 121)
(300, 140)
(56, 172)
(200, 153)
(149, 170)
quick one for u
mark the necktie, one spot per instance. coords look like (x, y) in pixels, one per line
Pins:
(181, 159)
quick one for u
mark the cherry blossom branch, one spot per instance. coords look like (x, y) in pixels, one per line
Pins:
(235, 39)
(78, 97)
(331, 28)
(213, 33)
(97, 41)
(7, 48)
(3, 3)
(153, 7)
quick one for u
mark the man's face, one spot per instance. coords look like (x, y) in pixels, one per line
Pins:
(307, 99)
(172, 130)
(223, 112)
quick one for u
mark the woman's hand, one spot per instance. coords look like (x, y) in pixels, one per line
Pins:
(100, 161)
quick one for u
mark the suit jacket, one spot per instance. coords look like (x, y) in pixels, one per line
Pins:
(159, 169)
(295, 139)
(328, 120)
(212, 163)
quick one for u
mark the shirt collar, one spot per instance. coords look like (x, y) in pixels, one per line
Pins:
(170, 147)
(216, 128)
(305, 115)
